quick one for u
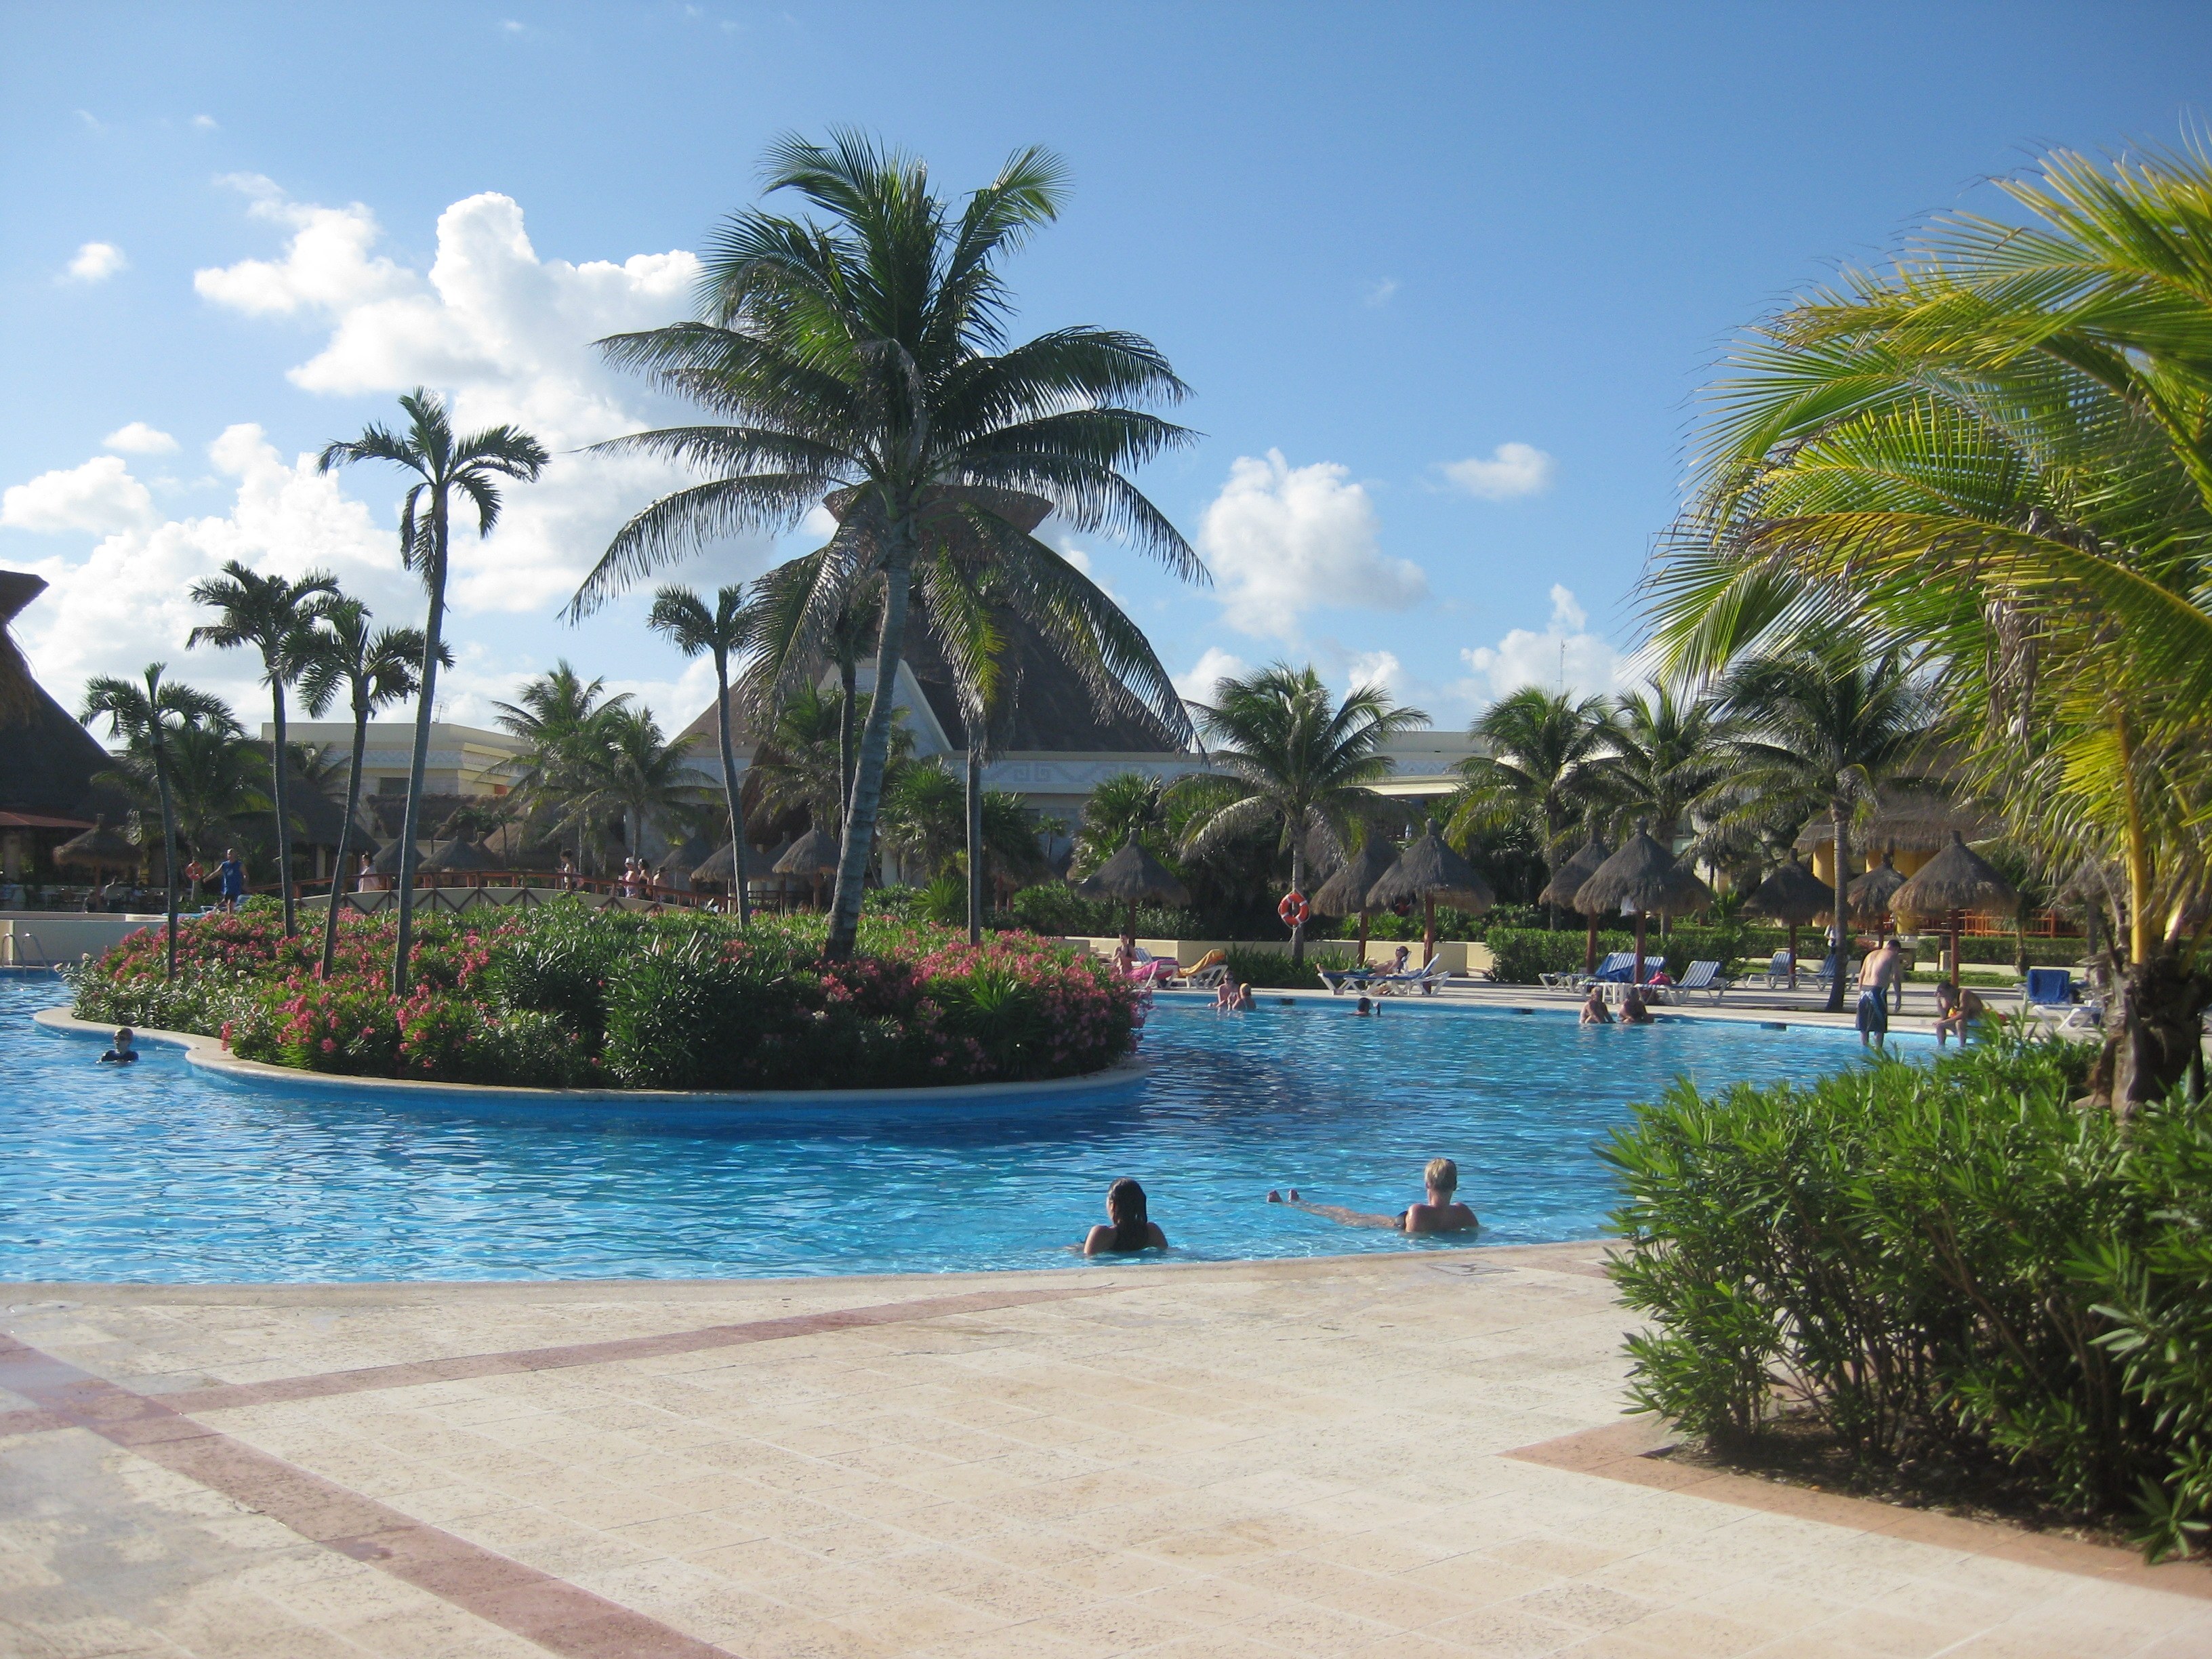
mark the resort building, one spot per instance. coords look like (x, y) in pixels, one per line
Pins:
(47, 761)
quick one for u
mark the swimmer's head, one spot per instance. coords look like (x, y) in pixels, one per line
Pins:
(1125, 1201)
(1365, 1006)
(1441, 1176)
(124, 1036)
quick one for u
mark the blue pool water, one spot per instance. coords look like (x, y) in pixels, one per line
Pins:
(162, 1173)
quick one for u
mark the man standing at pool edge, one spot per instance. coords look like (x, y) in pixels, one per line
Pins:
(1882, 967)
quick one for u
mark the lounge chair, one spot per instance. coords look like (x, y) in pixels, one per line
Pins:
(1337, 978)
(1779, 970)
(1426, 979)
(1701, 976)
(1209, 977)
(1615, 970)
(2049, 994)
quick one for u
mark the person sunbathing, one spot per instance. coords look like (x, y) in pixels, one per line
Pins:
(1439, 1210)
(1128, 1227)
(1594, 1013)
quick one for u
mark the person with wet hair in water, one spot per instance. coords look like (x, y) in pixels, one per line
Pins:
(1128, 1227)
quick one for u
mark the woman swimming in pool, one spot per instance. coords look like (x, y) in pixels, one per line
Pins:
(1130, 1230)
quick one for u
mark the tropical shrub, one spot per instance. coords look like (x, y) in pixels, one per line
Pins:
(1522, 955)
(565, 996)
(1948, 1262)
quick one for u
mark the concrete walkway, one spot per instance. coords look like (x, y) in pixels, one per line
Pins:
(1397, 1456)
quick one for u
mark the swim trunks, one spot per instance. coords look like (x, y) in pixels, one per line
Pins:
(1874, 1012)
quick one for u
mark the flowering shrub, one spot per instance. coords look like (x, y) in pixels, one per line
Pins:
(564, 996)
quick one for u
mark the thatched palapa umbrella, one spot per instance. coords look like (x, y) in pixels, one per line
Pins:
(1562, 889)
(386, 862)
(1344, 893)
(812, 856)
(1871, 894)
(99, 849)
(1957, 878)
(1131, 877)
(1644, 878)
(1428, 870)
(1793, 896)
(676, 865)
(458, 857)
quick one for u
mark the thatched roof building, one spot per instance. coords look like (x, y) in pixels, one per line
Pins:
(1565, 888)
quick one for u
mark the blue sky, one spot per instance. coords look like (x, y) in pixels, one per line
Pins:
(1444, 280)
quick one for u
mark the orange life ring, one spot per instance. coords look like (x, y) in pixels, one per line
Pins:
(1293, 909)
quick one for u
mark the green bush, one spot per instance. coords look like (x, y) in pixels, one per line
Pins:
(1948, 1262)
(1523, 954)
(1271, 970)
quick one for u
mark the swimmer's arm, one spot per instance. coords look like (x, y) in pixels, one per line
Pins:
(1100, 1239)
(1159, 1240)
(1337, 1213)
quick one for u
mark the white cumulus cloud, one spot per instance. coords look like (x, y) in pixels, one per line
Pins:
(1209, 671)
(1282, 539)
(1565, 652)
(99, 496)
(1512, 470)
(96, 262)
(139, 439)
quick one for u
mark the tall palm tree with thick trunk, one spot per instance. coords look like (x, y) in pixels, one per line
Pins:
(861, 359)
(444, 467)
(267, 613)
(340, 654)
(1294, 759)
(723, 632)
(1825, 729)
(146, 714)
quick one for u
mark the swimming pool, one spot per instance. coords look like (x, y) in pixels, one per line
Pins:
(162, 1173)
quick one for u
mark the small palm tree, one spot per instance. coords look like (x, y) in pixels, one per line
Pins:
(723, 632)
(267, 613)
(146, 714)
(640, 772)
(444, 467)
(1668, 753)
(1543, 771)
(1295, 760)
(1127, 803)
(862, 362)
(372, 670)
(1826, 727)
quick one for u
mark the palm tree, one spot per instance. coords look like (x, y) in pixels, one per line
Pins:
(798, 765)
(340, 654)
(146, 714)
(1994, 452)
(268, 613)
(556, 714)
(1544, 768)
(1825, 729)
(1127, 803)
(862, 360)
(1295, 763)
(1668, 753)
(725, 631)
(444, 467)
(640, 772)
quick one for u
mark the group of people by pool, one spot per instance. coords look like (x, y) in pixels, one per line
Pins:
(1129, 1229)
(1634, 1010)
(1882, 975)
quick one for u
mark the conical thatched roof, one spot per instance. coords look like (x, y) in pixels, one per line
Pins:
(1344, 893)
(386, 862)
(1643, 876)
(1956, 878)
(676, 865)
(814, 854)
(1792, 895)
(1871, 893)
(1131, 877)
(1904, 820)
(1428, 869)
(722, 867)
(99, 847)
(1563, 887)
(456, 856)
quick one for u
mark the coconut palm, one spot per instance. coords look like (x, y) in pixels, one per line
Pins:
(217, 776)
(1128, 803)
(1295, 762)
(723, 632)
(1824, 729)
(780, 626)
(638, 771)
(373, 670)
(1544, 768)
(1994, 451)
(799, 764)
(1668, 753)
(146, 714)
(556, 714)
(266, 613)
(444, 467)
(862, 359)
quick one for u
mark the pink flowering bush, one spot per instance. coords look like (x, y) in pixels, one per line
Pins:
(564, 996)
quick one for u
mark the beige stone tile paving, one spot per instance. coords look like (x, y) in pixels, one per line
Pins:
(1195, 1462)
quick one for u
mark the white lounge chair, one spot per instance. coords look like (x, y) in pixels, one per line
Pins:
(1779, 970)
(1425, 979)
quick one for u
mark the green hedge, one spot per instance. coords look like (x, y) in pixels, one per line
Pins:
(1947, 1262)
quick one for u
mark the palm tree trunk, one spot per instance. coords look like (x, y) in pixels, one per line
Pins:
(974, 842)
(730, 790)
(1298, 886)
(168, 844)
(432, 629)
(848, 751)
(345, 837)
(875, 748)
(283, 816)
(1843, 852)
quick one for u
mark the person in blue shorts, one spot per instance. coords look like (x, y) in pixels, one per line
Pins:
(230, 879)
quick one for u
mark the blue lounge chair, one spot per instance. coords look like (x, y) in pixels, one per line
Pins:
(1337, 978)
(1703, 976)
(1616, 968)
(1779, 970)
(2049, 994)
(1424, 980)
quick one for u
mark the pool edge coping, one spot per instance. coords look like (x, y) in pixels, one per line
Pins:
(209, 1054)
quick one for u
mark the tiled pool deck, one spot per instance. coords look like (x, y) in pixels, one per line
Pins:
(1401, 1455)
